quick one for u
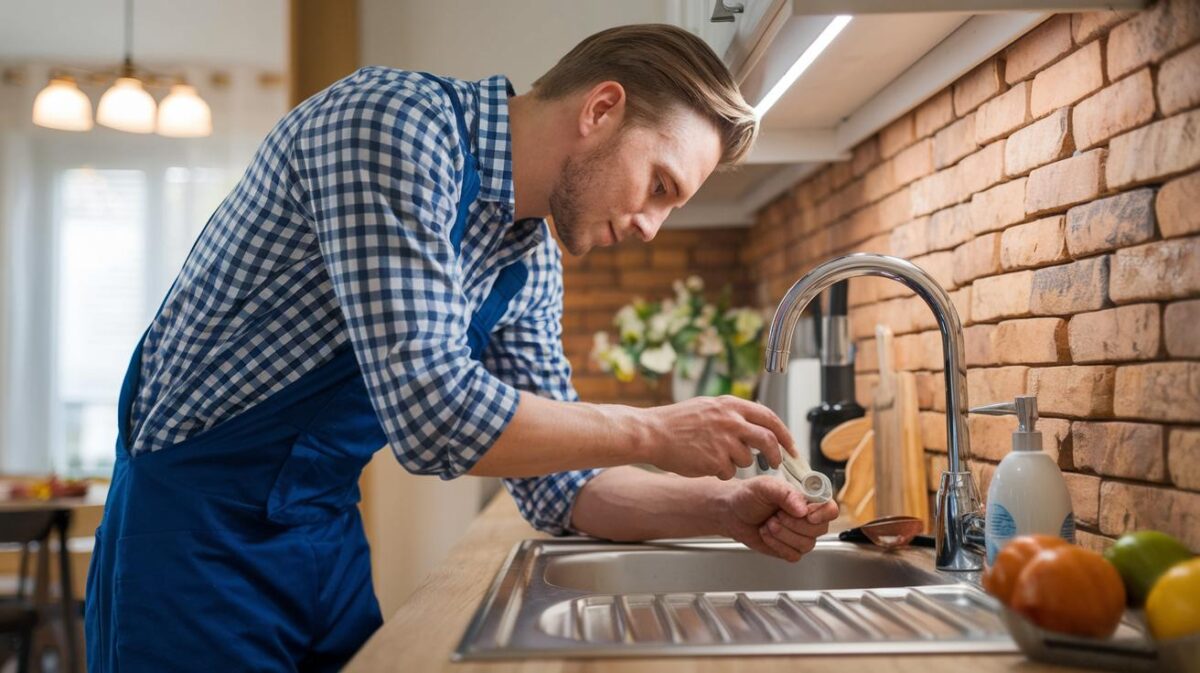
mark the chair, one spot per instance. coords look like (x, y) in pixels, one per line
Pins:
(19, 612)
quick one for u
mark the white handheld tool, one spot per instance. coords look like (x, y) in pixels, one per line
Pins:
(815, 486)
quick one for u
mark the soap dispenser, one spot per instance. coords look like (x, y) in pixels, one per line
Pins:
(1028, 493)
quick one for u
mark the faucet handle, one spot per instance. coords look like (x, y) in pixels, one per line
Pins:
(1024, 407)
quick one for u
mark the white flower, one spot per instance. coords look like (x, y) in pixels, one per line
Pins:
(677, 322)
(656, 330)
(626, 314)
(659, 360)
(746, 325)
(709, 342)
(694, 283)
(706, 315)
(622, 364)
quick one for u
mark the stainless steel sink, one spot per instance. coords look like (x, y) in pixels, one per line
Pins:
(574, 597)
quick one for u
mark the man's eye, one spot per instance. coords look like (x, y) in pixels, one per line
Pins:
(659, 187)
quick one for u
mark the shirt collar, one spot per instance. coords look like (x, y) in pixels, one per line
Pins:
(493, 141)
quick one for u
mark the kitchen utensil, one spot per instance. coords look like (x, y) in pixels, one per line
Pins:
(889, 463)
(914, 491)
(858, 494)
(889, 532)
(840, 442)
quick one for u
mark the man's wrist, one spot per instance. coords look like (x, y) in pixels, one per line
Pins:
(633, 430)
(717, 504)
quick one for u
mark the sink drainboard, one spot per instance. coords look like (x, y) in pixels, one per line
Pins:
(527, 615)
(893, 620)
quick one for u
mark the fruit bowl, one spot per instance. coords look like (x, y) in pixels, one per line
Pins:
(1130, 648)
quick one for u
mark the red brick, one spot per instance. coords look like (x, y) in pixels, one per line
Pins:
(1128, 507)
(710, 257)
(1037, 243)
(1130, 450)
(1183, 456)
(895, 209)
(1003, 114)
(1005, 296)
(668, 258)
(1116, 335)
(977, 340)
(934, 114)
(1115, 222)
(961, 299)
(1070, 288)
(1039, 144)
(879, 181)
(1118, 108)
(931, 390)
(1040, 47)
(1085, 497)
(1067, 81)
(1179, 82)
(1153, 152)
(910, 239)
(1150, 36)
(935, 192)
(1181, 327)
(995, 384)
(1089, 25)
(896, 136)
(1035, 341)
(1077, 391)
(981, 170)
(1065, 183)
(977, 257)
(1093, 541)
(913, 163)
(1176, 206)
(991, 436)
(950, 227)
(1162, 270)
(933, 431)
(1158, 391)
(976, 87)
(940, 265)
(954, 142)
(865, 156)
(998, 207)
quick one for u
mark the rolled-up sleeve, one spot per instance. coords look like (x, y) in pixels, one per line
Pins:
(528, 355)
(376, 164)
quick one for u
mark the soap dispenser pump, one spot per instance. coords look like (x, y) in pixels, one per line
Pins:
(1028, 493)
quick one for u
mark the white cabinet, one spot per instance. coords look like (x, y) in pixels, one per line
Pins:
(736, 41)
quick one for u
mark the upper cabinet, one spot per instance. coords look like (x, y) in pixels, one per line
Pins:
(834, 72)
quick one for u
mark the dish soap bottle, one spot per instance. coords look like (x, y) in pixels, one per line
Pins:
(1028, 494)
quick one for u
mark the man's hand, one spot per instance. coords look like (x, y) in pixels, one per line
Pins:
(713, 435)
(769, 516)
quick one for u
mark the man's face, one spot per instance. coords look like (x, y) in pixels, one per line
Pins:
(627, 185)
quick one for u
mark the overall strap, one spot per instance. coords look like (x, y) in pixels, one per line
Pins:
(469, 179)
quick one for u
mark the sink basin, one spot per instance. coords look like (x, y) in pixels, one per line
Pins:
(575, 597)
(832, 566)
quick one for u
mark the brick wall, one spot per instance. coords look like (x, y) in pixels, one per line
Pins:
(599, 283)
(1055, 191)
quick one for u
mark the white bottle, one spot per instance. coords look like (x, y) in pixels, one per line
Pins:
(1028, 494)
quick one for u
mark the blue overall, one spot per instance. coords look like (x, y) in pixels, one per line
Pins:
(241, 548)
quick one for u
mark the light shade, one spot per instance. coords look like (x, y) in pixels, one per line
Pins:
(806, 59)
(127, 107)
(61, 105)
(184, 114)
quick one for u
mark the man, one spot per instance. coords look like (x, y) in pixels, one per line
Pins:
(383, 274)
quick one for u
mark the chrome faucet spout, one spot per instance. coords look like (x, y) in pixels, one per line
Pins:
(958, 501)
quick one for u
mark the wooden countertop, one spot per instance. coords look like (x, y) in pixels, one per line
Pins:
(427, 628)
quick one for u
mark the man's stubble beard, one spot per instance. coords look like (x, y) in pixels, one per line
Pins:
(566, 198)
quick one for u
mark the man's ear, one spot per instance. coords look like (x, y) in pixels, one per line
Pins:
(603, 108)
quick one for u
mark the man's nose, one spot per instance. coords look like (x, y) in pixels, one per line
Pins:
(648, 225)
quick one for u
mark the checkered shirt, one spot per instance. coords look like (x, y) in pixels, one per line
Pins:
(339, 231)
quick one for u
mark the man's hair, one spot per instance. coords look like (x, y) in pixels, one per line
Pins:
(660, 66)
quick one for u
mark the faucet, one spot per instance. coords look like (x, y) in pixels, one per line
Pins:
(958, 521)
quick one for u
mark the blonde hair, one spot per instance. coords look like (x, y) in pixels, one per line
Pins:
(659, 66)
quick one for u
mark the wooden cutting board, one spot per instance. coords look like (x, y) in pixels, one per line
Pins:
(857, 497)
(889, 463)
(915, 499)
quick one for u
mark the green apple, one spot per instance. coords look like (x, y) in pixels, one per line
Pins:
(1143, 556)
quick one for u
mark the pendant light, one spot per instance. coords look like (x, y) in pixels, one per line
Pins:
(61, 105)
(184, 114)
(126, 106)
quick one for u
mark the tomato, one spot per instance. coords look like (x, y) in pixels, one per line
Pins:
(1000, 579)
(1071, 590)
(1173, 607)
(1142, 557)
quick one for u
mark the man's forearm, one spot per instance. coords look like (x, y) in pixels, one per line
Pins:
(629, 503)
(548, 436)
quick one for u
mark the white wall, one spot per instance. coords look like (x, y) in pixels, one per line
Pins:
(473, 39)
